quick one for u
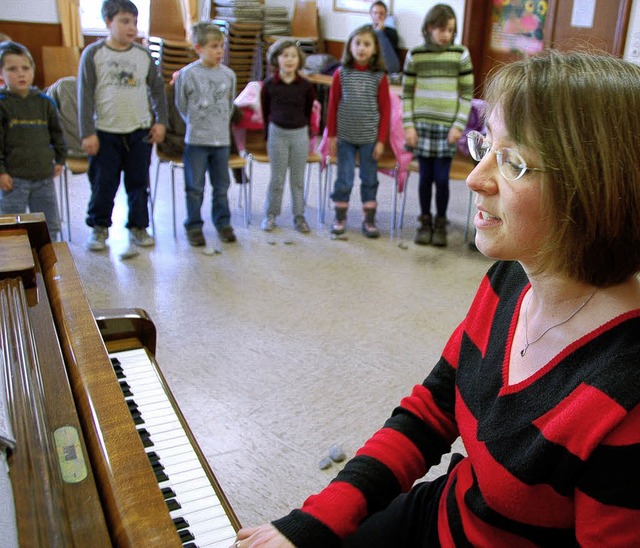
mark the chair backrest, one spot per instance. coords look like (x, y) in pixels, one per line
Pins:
(304, 21)
(64, 93)
(58, 62)
(255, 144)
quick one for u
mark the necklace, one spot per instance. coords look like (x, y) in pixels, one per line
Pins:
(527, 344)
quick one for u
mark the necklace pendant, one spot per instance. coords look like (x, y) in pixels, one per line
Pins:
(524, 350)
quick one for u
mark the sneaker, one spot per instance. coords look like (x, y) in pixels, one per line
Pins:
(97, 239)
(227, 234)
(196, 237)
(268, 223)
(141, 237)
(338, 226)
(301, 225)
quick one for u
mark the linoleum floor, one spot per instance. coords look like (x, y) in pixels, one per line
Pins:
(284, 344)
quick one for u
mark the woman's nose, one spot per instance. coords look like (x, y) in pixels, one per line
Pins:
(483, 176)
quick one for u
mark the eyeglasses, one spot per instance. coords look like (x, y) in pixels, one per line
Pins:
(510, 163)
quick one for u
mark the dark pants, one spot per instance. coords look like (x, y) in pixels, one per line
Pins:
(128, 153)
(434, 170)
(410, 521)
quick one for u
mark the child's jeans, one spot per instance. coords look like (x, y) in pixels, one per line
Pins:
(131, 154)
(197, 161)
(346, 172)
(33, 196)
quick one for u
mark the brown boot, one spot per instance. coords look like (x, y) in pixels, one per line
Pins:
(339, 224)
(424, 234)
(369, 228)
(440, 232)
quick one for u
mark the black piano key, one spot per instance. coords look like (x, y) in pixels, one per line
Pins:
(153, 457)
(168, 493)
(173, 504)
(180, 523)
(145, 437)
(115, 361)
(190, 545)
(185, 536)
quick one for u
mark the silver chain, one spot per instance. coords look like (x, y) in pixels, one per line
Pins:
(527, 344)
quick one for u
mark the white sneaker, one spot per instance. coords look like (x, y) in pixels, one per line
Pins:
(97, 239)
(141, 237)
(268, 223)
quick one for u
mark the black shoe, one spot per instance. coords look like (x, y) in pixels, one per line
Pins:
(227, 234)
(196, 237)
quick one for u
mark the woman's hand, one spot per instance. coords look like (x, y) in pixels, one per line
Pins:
(264, 536)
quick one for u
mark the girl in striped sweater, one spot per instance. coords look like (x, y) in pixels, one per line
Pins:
(437, 88)
(358, 124)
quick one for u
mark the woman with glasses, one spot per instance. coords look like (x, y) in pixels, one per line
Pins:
(541, 380)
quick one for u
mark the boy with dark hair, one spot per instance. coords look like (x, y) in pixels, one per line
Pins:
(32, 149)
(122, 112)
(204, 95)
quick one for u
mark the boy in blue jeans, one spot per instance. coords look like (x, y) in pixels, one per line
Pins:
(32, 149)
(122, 111)
(204, 95)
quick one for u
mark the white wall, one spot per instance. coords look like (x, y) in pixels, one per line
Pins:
(408, 15)
(36, 11)
(632, 45)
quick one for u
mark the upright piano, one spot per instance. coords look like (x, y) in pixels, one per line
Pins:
(100, 454)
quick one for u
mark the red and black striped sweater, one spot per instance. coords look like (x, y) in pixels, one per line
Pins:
(553, 460)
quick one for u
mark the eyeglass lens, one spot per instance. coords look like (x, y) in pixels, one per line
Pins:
(510, 163)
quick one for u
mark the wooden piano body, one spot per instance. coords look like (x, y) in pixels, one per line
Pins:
(79, 470)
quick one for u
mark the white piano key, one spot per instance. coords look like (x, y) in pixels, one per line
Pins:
(200, 505)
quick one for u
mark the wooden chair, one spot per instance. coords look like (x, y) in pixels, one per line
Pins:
(58, 62)
(387, 162)
(255, 147)
(305, 27)
(175, 162)
(461, 167)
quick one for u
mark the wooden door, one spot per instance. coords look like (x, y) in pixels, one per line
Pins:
(500, 34)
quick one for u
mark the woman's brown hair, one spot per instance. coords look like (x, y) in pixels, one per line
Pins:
(580, 113)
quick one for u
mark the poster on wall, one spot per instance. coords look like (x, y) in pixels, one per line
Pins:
(517, 26)
(358, 6)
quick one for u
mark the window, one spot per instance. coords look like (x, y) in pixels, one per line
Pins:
(91, 17)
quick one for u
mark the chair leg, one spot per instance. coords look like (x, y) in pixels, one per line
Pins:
(246, 193)
(249, 189)
(320, 219)
(64, 201)
(404, 202)
(307, 175)
(394, 205)
(173, 198)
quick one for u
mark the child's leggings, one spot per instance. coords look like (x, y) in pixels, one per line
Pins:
(434, 170)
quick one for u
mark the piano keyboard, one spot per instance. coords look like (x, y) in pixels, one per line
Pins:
(194, 505)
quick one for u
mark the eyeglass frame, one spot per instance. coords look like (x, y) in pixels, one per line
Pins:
(472, 138)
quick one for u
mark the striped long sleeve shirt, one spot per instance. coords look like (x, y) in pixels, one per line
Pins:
(552, 460)
(437, 86)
